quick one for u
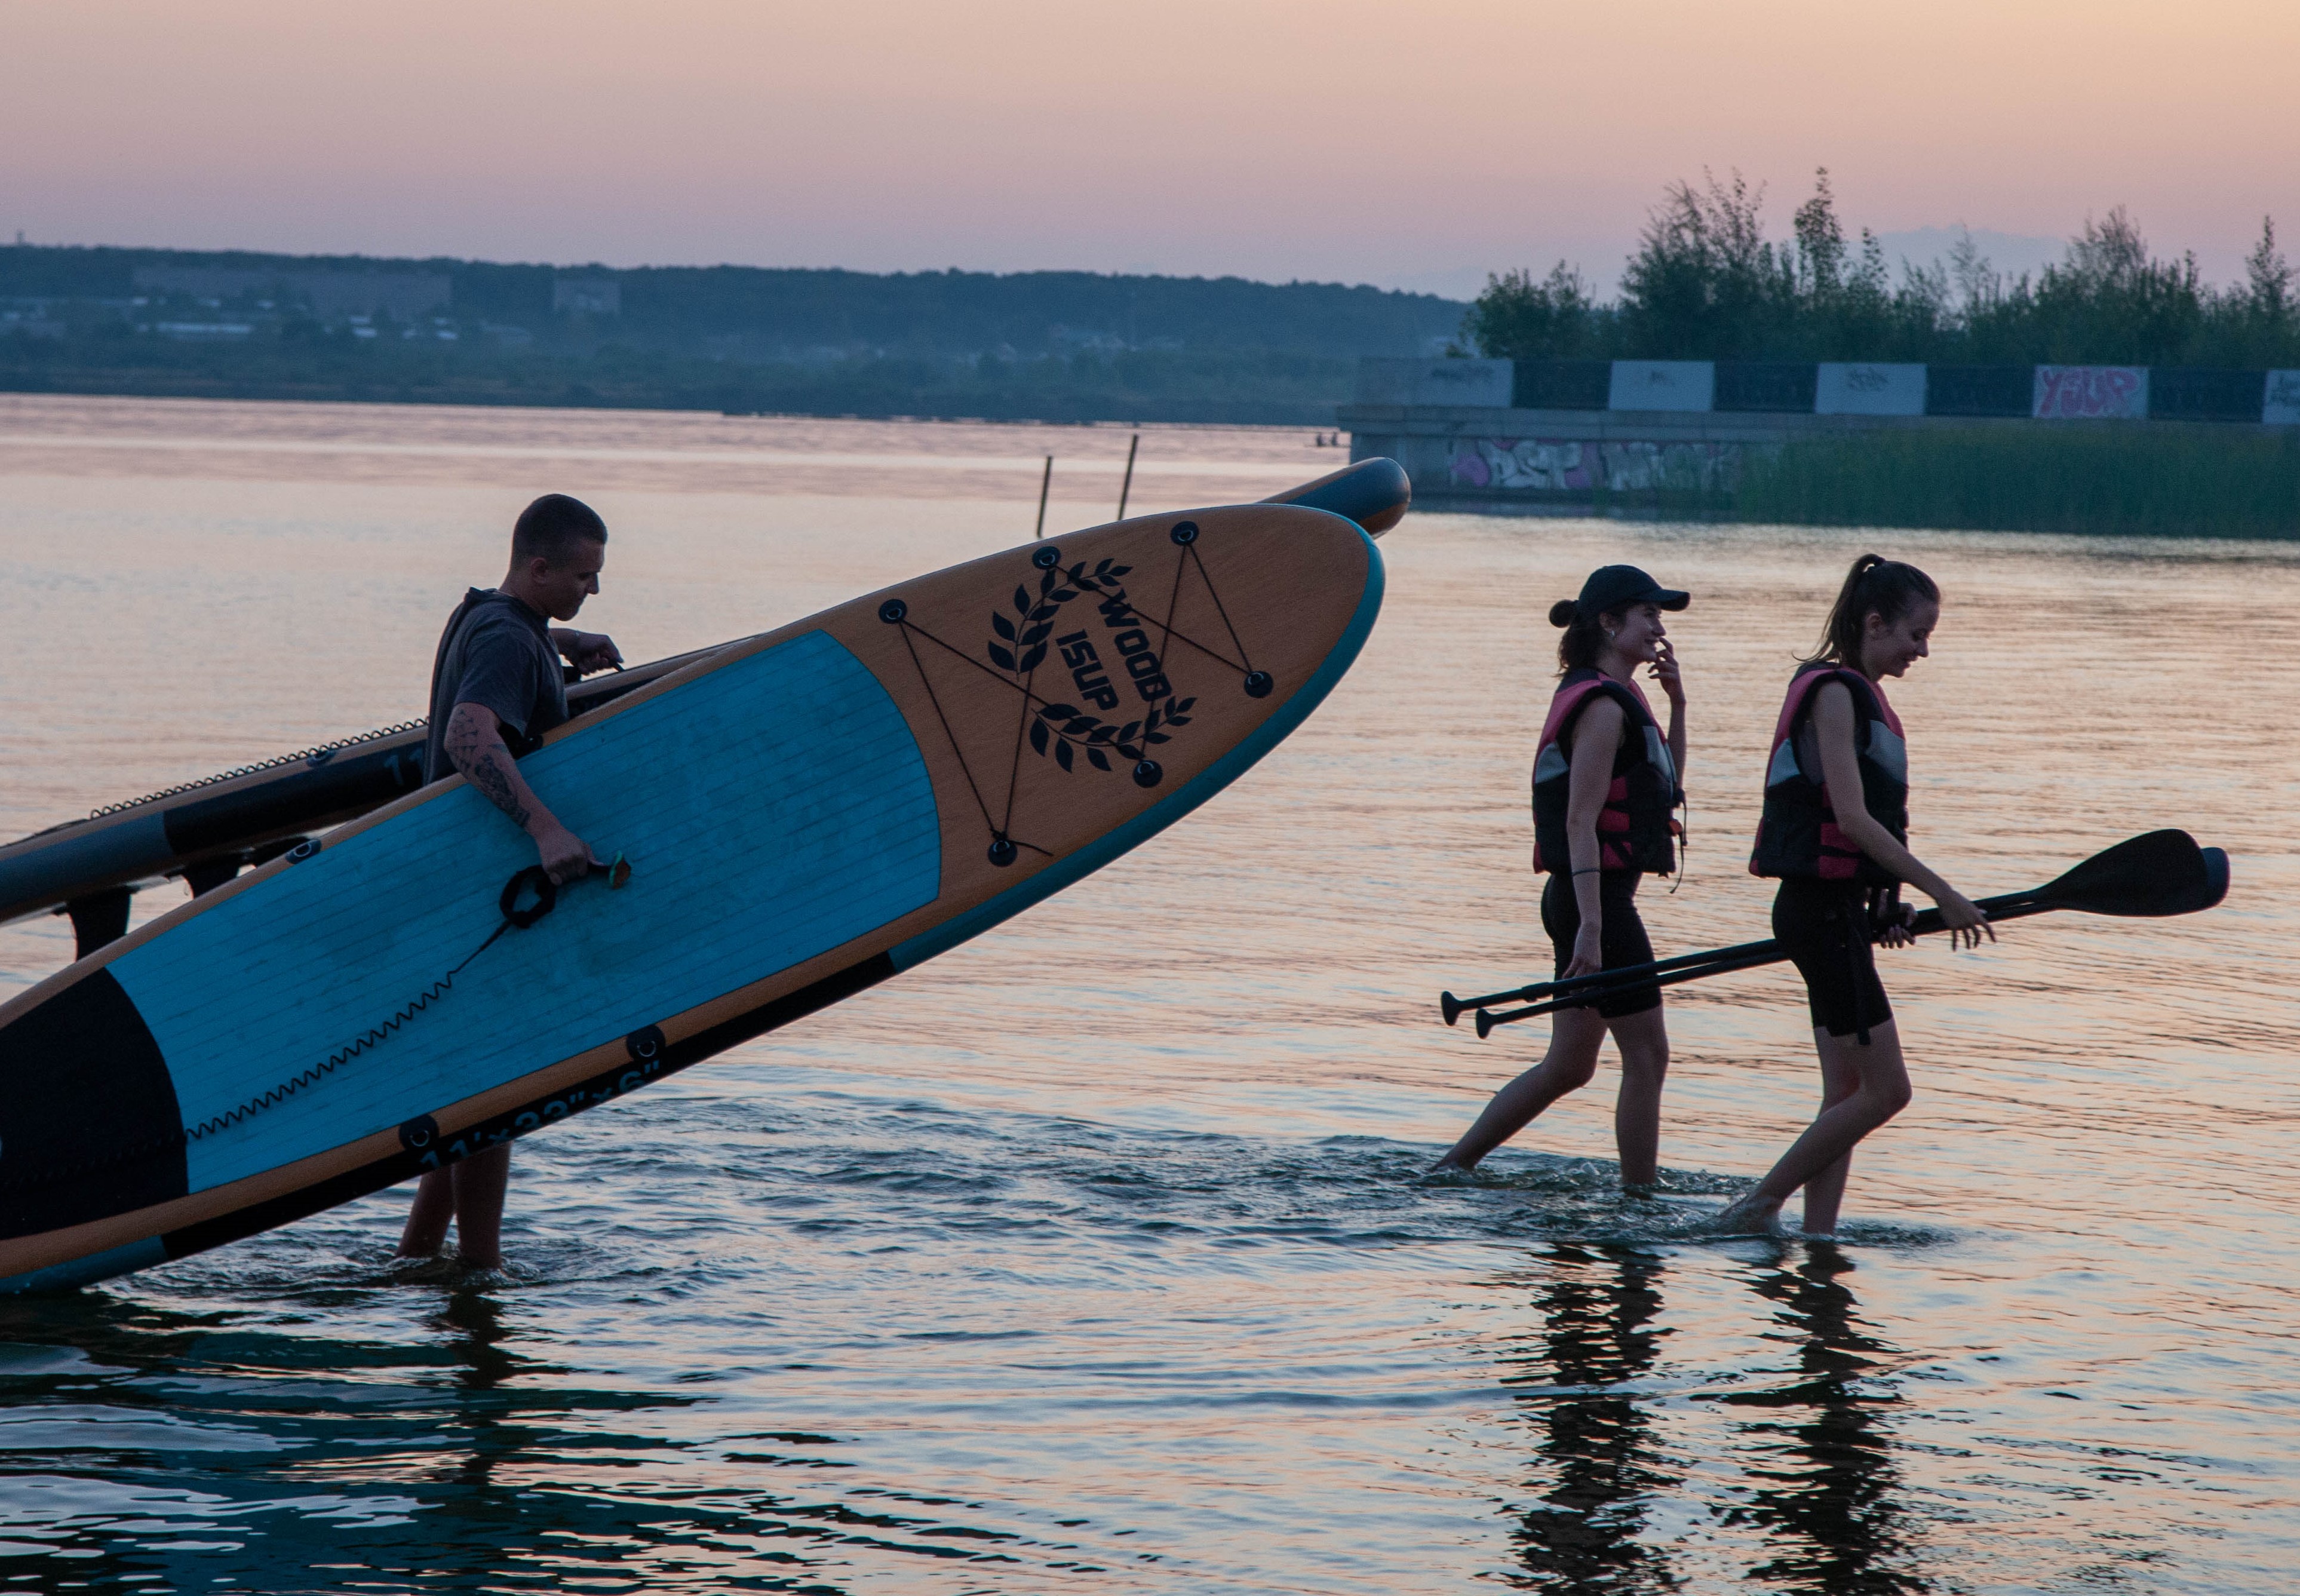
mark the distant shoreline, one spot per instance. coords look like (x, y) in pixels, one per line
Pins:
(1059, 346)
(1064, 404)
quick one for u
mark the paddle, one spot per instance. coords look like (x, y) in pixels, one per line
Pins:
(2154, 874)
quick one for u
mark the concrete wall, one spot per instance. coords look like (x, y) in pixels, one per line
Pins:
(1563, 459)
(1842, 388)
(1794, 387)
(2282, 407)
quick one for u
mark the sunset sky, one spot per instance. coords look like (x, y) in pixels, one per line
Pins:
(1408, 145)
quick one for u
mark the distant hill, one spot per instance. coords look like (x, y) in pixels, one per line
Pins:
(1048, 345)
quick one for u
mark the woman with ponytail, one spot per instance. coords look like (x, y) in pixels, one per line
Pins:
(1836, 833)
(1605, 781)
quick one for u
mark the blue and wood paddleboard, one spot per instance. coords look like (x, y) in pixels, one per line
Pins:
(806, 814)
(209, 829)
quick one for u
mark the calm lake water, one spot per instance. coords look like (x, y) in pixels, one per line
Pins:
(1091, 1258)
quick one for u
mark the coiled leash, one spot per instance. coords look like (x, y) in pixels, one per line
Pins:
(533, 880)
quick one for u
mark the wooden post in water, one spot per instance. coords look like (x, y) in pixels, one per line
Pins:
(1127, 487)
(1045, 482)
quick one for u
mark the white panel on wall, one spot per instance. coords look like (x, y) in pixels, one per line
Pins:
(2282, 408)
(1484, 383)
(1663, 385)
(1851, 388)
(2093, 393)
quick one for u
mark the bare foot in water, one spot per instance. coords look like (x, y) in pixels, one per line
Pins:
(1750, 1215)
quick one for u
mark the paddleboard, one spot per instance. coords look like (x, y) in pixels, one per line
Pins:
(208, 830)
(804, 814)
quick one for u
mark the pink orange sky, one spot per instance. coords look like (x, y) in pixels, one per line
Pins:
(1409, 145)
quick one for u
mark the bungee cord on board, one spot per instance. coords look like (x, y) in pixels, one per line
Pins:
(1024, 678)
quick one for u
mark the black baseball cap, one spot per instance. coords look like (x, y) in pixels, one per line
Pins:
(1617, 587)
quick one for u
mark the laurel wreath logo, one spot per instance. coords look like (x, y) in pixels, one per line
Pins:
(1064, 730)
(1056, 588)
(1065, 727)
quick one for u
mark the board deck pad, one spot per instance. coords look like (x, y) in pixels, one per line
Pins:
(804, 814)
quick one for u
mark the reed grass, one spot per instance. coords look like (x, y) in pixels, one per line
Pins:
(2032, 476)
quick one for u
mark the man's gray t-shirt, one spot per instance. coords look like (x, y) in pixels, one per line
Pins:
(497, 653)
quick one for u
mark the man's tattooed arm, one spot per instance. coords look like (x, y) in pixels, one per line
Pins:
(475, 747)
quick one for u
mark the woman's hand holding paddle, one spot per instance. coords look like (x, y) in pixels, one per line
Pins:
(1895, 933)
(1965, 921)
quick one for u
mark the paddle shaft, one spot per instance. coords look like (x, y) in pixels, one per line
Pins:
(1542, 989)
(1605, 983)
(2008, 905)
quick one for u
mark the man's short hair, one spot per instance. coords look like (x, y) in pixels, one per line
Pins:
(552, 525)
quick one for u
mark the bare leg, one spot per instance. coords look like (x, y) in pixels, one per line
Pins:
(1576, 1035)
(480, 1182)
(1882, 1092)
(1840, 1078)
(1643, 1039)
(426, 1220)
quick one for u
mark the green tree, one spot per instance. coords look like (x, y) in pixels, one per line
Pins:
(1705, 283)
(1517, 317)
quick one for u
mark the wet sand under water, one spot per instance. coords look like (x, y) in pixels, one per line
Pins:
(1094, 1256)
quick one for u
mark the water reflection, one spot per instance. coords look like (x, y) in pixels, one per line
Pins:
(1830, 1498)
(452, 1456)
(1603, 1458)
(1822, 1495)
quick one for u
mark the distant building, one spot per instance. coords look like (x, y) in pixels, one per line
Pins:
(587, 293)
(332, 294)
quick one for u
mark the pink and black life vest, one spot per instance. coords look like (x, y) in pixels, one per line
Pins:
(1634, 831)
(1797, 835)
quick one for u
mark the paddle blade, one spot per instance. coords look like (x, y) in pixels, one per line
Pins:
(1450, 1007)
(2157, 872)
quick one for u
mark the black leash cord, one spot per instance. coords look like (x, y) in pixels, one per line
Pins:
(534, 878)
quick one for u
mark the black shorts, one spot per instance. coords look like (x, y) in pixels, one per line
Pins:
(1622, 939)
(1824, 926)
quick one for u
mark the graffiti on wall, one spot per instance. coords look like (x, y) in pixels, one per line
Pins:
(2093, 393)
(1850, 388)
(1551, 465)
(1663, 385)
(1526, 464)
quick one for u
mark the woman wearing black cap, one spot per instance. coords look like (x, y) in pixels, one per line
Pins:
(1604, 783)
(1836, 832)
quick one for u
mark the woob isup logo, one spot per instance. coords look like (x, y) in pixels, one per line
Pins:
(1111, 660)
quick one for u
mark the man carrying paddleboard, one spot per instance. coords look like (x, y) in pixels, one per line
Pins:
(496, 687)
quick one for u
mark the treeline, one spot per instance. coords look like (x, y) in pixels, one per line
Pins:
(1705, 283)
(1046, 345)
(765, 313)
